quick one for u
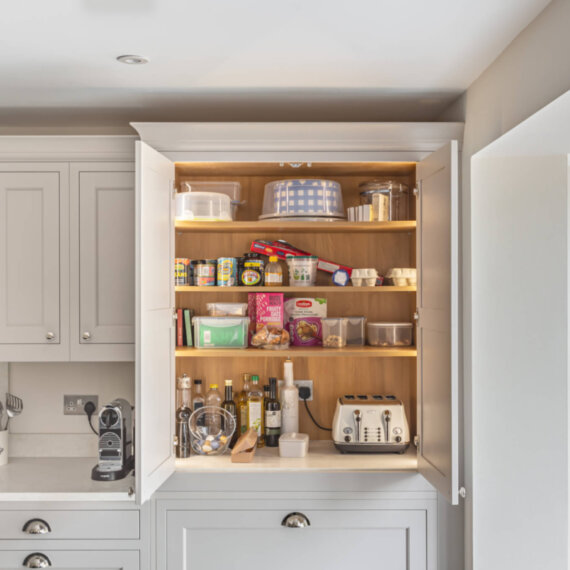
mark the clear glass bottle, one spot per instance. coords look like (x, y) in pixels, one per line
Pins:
(183, 412)
(273, 272)
(230, 406)
(198, 400)
(272, 416)
(255, 410)
(214, 400)
(242, 405)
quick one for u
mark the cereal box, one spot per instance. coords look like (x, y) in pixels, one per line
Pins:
(265, 309)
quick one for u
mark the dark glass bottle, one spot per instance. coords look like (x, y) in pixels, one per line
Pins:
(230, 406)
(272, 416)
(183, 412)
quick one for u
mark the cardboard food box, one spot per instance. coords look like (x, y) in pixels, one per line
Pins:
(303, 320)
(265, 309)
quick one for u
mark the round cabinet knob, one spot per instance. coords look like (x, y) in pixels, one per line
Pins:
(37, 560)
(295, 520)
(86, 335)
(36, 526)
(50, 335)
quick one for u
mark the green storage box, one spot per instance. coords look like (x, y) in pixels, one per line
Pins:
(220, 332)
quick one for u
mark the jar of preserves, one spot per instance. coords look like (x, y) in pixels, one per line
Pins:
(253, 270)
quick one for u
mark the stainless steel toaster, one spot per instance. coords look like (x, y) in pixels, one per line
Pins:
(370, 423)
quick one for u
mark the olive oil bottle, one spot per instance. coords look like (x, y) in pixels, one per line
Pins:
(241, 402)
(255, 410)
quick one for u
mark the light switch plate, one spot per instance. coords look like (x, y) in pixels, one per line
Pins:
(73, 404)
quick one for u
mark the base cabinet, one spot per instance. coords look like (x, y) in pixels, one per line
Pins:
(292, 536)
(72, 559)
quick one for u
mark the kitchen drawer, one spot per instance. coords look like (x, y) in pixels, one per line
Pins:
(76, 559)
(334, 539)
(69, 525)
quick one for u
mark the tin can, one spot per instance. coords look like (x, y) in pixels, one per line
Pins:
(205, 272)
(227, 271)
(181, 271)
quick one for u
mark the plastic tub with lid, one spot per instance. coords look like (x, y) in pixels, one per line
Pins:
(334, 332)
(230, 189)
(203, 207)
(302, 270)
(303, 198)
(390, 334)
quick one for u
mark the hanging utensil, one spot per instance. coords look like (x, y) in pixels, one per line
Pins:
(14, 407)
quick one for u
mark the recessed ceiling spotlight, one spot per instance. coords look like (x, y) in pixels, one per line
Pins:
(132, 59)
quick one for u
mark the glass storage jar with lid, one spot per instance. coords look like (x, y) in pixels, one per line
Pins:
(390, 199)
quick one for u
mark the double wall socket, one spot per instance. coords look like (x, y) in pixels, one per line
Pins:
(73, 404)
(299, 383)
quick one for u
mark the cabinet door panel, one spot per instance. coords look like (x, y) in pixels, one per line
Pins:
(30, 257)
(438, 329)
(106, 257)
(74, 559)
(256, 540)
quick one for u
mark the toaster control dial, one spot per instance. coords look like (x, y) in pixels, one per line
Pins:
(398, 439)
(397, 431)
(347, 438)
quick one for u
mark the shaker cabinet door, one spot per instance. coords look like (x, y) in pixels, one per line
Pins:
(103, 261)
(33, 264)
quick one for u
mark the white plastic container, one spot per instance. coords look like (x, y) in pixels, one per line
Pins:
(230, 189)
(203, 207)
(390, 334)
(334, 332)
(293, 445)
(302, 270)
(364, 277)
(401, 276)
(302, 198)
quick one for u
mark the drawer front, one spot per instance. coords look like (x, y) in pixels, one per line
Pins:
(76, 559)
(335, 540)
(69, 525)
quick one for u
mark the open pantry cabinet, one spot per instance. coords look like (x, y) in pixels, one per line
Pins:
(424, 376)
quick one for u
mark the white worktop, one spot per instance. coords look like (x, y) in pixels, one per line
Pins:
(322, 457)
(59, 479)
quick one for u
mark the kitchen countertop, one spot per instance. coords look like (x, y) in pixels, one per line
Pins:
(322, 457)
(58, 479)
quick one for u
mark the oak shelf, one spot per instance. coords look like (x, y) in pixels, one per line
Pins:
(295, 227)
(286, 289)
(297, 351)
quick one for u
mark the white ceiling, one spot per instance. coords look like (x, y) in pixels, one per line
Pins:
(224, 59)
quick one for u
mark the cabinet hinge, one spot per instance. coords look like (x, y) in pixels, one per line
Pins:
(417, 440)
(175, 316)
(416, 191)
(416, 316)
(174, 189)
(462, 492)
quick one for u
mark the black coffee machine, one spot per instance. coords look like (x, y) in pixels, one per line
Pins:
(116, 442)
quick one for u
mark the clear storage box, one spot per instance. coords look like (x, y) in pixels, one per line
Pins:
(203, 206)
(390, 334)
(302, 198)
(230, 189)
(220, 332)
(227, 309)
(355, 331)
(389, 199)
(334, 332)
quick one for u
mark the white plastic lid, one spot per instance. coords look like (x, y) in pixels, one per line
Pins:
(378, 325)
(293, 437)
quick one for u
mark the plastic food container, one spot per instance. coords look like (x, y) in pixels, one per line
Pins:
(364, 277)
(211, 429)
(334, 332)
(355, 331)
(401, 276)
(227, 309)
(203, 207)
(220, 332)
(293, 444)
(303, 198)
(390, 334)
(389, 199)
(302, 270)
(230, 189)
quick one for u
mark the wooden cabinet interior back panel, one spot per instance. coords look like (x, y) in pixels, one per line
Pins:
(332, 378)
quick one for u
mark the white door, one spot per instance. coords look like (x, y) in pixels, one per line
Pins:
(438, 308)
(72, 559)
(32, 261)
(154, 320)
(257, 540)
(103, 261)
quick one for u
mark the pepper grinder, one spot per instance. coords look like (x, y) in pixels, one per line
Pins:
(183, 412)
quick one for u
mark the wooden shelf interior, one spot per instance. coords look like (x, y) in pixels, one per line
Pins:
(323, 289)
(357, 245)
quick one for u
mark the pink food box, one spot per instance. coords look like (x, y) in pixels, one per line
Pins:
(264, 309)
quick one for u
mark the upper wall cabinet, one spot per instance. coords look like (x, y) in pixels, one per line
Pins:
(67, 250)
(34, 261)
(102, 261)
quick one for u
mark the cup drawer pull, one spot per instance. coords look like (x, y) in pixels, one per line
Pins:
(36, 526)
(295, 520)
(37, 560)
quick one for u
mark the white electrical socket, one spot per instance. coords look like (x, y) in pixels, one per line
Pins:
(299, 383)
(73, 404)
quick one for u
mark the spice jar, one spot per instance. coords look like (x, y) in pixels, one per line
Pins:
(205, 272)
(253, 270)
